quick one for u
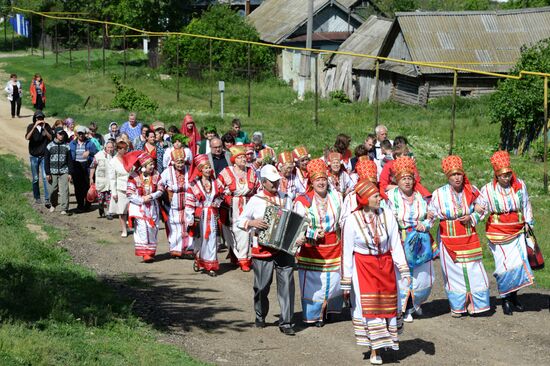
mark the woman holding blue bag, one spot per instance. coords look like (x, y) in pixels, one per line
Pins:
(411, 211)
(507, 203)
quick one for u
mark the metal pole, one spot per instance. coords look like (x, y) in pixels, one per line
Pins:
(221, 103)
(13, 40)
(104, 34)
(124, 50)
(376, 99)
(88, 42)
(249, 77)
(211, 83)
(56, 45)
(6, 34)
(453, 112)
(316, 90)
(70, 45)
(545, 129)
(177, 69)
(43, 39)
(30, 34)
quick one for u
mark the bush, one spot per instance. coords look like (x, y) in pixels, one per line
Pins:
(130, 99)
(228, 58)
(339, 96)
(518, 104)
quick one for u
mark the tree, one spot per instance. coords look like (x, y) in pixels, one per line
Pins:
(219, 21)
(518, 104)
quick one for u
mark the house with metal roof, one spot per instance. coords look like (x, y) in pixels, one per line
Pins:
(284, 22)
(352, 74)
(489, 41)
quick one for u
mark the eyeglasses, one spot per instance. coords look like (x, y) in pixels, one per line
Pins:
(216, 147)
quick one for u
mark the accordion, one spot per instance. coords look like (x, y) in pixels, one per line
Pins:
(285, 228)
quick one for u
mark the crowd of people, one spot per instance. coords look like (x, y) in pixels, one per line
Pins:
(368, 239)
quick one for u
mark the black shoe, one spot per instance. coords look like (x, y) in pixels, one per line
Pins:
(319, 324)
(507, 307)
(101, 213)
(48, 204)
(289, 331)
(109, 217)
(259, 324)
(514, 298)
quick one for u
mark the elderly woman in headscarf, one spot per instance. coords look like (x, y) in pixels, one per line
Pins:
(202, 200)
(507, 203)
(372, 252)
(175, 181)
(69, 128)
(319, 258)
(113, 132)
(143, 192)
(457, 206)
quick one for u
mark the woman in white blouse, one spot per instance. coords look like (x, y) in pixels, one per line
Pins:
(118, 183)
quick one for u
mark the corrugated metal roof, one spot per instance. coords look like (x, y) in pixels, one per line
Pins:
(276, 20)
(493, 37)
(367, 39)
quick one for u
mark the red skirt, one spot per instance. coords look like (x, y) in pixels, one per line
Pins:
(377, 285)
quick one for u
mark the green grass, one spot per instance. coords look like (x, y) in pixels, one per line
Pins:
(54, 312)
(288, 122)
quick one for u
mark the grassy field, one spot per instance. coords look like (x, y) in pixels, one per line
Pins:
(287, 122)
(53, 312)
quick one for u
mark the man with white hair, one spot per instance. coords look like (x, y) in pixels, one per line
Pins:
(266, 259)
(258, 144)
(381, 135)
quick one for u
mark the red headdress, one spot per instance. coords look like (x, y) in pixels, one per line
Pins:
(193, 133)
(285, 157)
(316, 168)
(236, 151)
(366, 169)
(404, 166)
(453, 164)
(501, 165)
(363, 191)
(177, 154)
(299, 153)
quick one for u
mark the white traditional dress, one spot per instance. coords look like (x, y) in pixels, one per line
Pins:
(466, 282)
(509, 210)
(237, 192)
(300, 181)
(341, 182)
(201, 212)
(409, 215)
(176, 181)
(319, 259)
(145, 215)
(372, 252)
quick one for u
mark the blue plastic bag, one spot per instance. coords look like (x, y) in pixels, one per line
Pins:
(418, 248)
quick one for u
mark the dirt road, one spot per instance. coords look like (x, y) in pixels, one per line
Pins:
(212, 318)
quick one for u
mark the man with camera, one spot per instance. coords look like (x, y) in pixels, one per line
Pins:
(39, 134)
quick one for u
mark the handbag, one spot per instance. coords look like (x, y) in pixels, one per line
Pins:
(92, 195)
(418, 248)
(534, 255)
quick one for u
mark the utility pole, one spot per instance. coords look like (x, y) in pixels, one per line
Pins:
(305, 63)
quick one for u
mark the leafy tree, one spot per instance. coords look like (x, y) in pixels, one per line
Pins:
(518, 104)
(219, 21)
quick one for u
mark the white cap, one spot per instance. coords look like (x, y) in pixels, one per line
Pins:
(270, 173)
(81, 129)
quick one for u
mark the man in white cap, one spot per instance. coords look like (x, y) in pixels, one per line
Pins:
(82, 155)
(265, 259)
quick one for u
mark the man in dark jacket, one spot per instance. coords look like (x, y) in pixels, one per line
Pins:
(39, 134)
(82, 155)
(59, 167)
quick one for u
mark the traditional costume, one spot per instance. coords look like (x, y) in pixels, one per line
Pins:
(288, 183)
(461, 256)
(144, 215)
(300, 178)
(372, 252)
(509, 210)
(340, 181)
(266, 260)
(238, 188)
(365, 169)
(201, 211)
(192, 133)
(175, 183)
(410, 212)
(319, 259)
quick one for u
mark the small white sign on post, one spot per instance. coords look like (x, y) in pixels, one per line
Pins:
(145, 46)
(221, 88)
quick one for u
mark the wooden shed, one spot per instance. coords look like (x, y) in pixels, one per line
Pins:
(480, 40)
(356, 75)
(284, 22)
